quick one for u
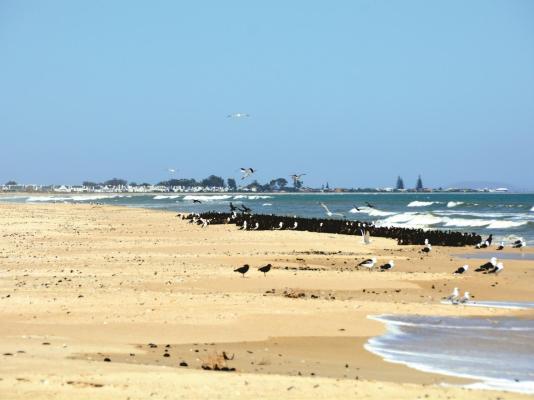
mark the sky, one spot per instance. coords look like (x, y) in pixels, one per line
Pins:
(353, 92)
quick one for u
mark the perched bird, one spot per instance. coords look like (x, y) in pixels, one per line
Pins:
(247, 172)
(492, 263)
(501, 246)
(387, 266)
(369, 263)
(280, 226)
(489, 239)
(496, 270)
(244, 227)
(453, 296)
(328, 212)
(265, 269)
(465, 298)
(461, 270)
(518, 244)
(427, 248)
(295, 226)
(256, 226)
(482, 245)
(242, 270)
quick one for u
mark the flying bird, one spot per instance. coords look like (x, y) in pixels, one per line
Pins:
(247, 172)
(242, 270)
(328, 212)
(197, 201)
(492, 263)
(245, 209)
(369, 205)
(265, 269)
(238, 115)
(387, 266)
(296, 177)
(369, 263)
(232, 207)
(461, 270)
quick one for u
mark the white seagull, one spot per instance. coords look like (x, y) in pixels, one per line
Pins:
(501, 246)
(496, 270)
(238, 115)
(465, 298)
(328, 212)
(461, 270)
(247, 172)
(454, 295)
(387, 266)
(369, 263)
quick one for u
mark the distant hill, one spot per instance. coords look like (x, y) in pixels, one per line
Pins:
(488, 185)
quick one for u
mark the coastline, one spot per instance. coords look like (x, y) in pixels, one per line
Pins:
(146, 276)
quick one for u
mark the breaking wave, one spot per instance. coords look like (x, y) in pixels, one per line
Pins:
(451, 204)
(421, 203)
(252, 197)
(207, 197)
(163, 197)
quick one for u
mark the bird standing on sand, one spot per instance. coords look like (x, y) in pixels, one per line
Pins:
(265, 269)
(501, 246)
(496, 270)
(518, 244)
(328, 212)
(428, 247)
(369, 263)
(465, 298)
(387, 266)
(242, 270)
(453, 296)
(461, 270)
(247, 172)
(492, 263)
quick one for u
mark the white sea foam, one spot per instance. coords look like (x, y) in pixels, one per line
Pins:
(88, 197)
(207, 197)
(252, 197)
(421, 203)
(532, 209)
(163, 196)
(452, 204)
(267, 204)
(372, 212)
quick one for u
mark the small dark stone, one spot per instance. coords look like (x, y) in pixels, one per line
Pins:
(107, 359)
(166, 355)
(183, 364)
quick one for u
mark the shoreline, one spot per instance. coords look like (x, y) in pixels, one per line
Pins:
(145, 276)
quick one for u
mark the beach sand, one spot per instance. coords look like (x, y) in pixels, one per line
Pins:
(81, 284)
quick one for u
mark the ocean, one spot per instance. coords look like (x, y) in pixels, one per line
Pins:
(497, 352)
(507, 216)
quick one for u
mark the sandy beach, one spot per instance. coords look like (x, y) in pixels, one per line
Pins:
(106, 302)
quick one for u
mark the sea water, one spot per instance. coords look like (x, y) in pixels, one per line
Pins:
(496, 352)
(507, 216)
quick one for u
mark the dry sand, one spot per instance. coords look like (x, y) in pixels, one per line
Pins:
(80, 284)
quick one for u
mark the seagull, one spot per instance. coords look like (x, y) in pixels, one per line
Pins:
(482, 245)
(356, 208)
(238, 115)
(496, 270)
(256, 226)
(247, 172)
(461, 270)
(197, 201)
(465, 298)
(387, 266)
(244, 208)
(518, 244)
(328, 212)
(232, 207)
(296, 177)
(492, 263)
(280, 226)
(369, 205)
(242, 270)
(369, 263)
(295, 225)
(265, 269)
(453, 296)
(501, 246)
(244, 227)
(489, 239)
(427, 248)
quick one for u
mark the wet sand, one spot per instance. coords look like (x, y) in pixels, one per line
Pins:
(80, 284)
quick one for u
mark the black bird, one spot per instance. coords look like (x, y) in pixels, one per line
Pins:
(489, 239)
(487, 266)
(518, 244)
(232, 207)
(244, 208)
(501, 246)
(357, 209)
(265, 269)
(387, 266)
(197, 201)
(369, 205)
(461, 270)
(242, 270)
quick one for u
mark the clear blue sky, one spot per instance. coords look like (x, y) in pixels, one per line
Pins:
(350, 92)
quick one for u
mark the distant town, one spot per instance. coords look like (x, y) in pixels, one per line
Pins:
(216, 184)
